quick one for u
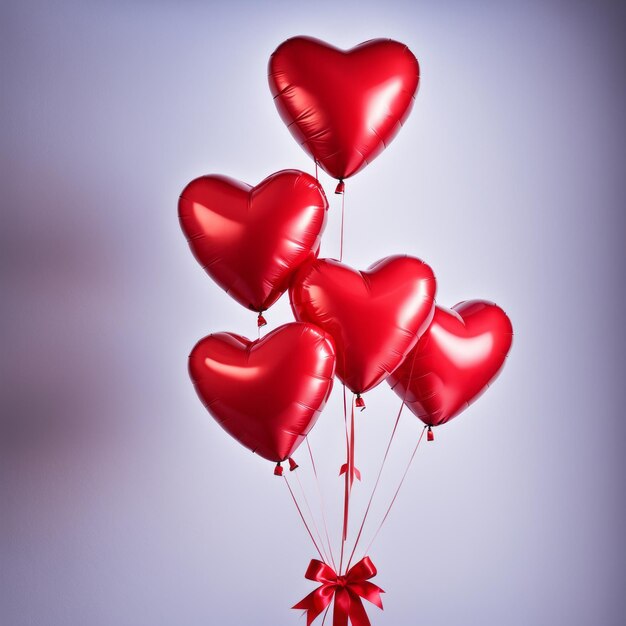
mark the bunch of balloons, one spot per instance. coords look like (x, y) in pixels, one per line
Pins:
(363, 327)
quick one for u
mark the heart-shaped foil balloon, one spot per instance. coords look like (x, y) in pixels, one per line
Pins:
(456, 359)
(343, 106)
(375, 317)
(267, 393)
(251, 240)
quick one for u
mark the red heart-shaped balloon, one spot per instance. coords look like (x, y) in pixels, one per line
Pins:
(375, 317)
(251, 240)
(266, 393)
(343, 107)
(457, 358)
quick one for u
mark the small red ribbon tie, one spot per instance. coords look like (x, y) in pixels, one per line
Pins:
(347, 591)
(355, 470)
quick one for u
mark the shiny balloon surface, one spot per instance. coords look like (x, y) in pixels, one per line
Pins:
(343, 106)
(267, 393)
(250, 240)
(459, 355)
(375, 317)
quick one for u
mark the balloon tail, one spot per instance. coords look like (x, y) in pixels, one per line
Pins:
(431, 434)
(292, 465)
(341, 187)
(261, 321)
(360, 403)
(278, 470)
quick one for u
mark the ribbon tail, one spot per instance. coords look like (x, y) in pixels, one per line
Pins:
(342, 607)
(314, 604)
(358, 614)
(344, 469)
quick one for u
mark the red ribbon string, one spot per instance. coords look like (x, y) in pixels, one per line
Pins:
(380, 472)
(343, 204)
(406, 471)
(312, 517)
(351, 467)
(293, 497)
(350, 472)
(346, 500)
(322, 503)
(347, 591)
(382, 466)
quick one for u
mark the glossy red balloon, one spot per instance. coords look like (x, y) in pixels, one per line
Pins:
(375, 317)
(251, 240)
(459, 355)
(343, 106)
(266, 393)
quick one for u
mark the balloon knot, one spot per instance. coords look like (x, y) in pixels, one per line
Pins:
(292, 465)
(261, 321)
(431, 435)
(341, 187)
(278, 470)
(360, 403)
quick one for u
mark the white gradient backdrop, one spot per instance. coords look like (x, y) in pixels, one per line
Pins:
(122, 503)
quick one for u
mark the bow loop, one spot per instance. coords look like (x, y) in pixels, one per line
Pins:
(363, 570)
(320, 572)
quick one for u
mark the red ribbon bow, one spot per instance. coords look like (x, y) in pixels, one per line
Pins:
(347, 591)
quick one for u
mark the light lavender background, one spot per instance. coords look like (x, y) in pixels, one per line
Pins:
(122, 503)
